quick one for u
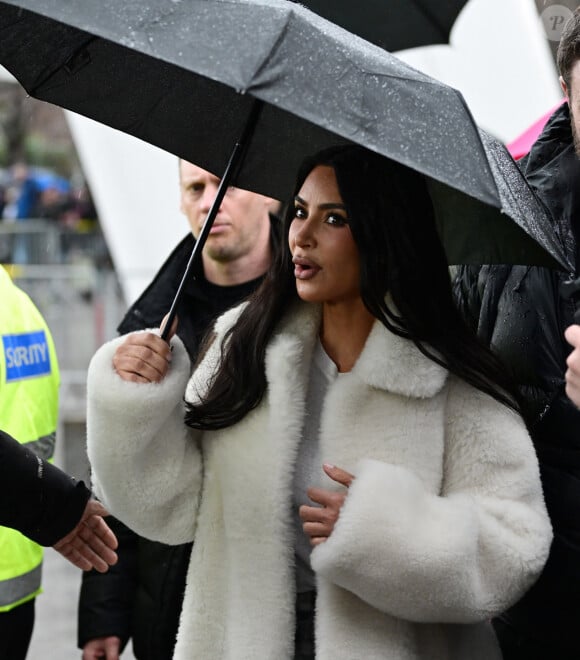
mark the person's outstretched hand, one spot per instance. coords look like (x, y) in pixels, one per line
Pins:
(318, 521)
(91, 544)
(572, 335)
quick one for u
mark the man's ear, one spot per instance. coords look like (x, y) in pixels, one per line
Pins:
(274, 206)
(564, 87)
(182, 201)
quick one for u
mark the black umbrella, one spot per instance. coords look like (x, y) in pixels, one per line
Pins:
(392, 24)
(193, 76)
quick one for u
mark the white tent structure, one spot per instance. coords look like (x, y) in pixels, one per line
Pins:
(498, 58)
(135, 188)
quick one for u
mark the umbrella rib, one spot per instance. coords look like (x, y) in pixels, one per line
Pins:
(74, 63)
(477, 135)
(275, 45)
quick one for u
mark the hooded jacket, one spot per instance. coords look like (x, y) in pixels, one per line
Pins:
(520, 312)
(443, 527)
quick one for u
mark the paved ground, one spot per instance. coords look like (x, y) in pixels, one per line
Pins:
(55, 628)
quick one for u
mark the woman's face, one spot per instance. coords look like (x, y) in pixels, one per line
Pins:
(326, 258)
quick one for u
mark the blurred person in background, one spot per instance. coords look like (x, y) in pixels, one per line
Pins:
(34, 193)
(141, 597)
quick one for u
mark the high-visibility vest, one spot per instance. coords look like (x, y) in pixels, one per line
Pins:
(29, 382)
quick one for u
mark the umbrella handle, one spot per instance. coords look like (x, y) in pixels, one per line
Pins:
(232, 167)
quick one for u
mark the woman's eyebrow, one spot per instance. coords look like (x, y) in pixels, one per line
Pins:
(332, 205)
(325, 206)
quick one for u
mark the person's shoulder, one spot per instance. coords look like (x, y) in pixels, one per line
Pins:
(467, 401)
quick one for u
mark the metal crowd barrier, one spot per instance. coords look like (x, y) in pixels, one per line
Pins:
(70, 278)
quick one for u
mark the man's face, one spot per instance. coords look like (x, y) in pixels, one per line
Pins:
(573, 94)
(241, 223)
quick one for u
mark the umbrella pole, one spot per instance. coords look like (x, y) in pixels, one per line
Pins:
(234, 163)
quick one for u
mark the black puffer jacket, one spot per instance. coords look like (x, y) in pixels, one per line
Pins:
(521, 313)
(140, 597)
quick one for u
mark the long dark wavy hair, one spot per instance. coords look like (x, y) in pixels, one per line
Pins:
(392, 222)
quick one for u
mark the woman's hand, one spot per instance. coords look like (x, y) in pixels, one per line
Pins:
(144, 357)
(319, 521)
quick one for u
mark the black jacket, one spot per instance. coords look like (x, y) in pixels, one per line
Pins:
(140, 597)
(39, 500)
(521, 313)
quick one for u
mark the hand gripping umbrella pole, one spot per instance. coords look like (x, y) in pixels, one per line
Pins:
(231, 170)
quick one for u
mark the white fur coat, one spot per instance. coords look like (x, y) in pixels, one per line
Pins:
(443, 527)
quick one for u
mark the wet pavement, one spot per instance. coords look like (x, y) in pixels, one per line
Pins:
(55, 628)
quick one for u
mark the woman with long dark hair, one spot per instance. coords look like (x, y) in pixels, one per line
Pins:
(349, 447)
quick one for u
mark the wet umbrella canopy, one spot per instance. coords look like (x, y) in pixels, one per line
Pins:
(185, 76)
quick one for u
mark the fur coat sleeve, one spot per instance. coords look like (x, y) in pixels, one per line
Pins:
(146, 463)
(460, 555)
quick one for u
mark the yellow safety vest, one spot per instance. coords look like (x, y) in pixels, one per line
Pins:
(29, 382)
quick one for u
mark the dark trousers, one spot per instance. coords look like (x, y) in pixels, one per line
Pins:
(304, 640)
(517, 646)
(16, 631)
